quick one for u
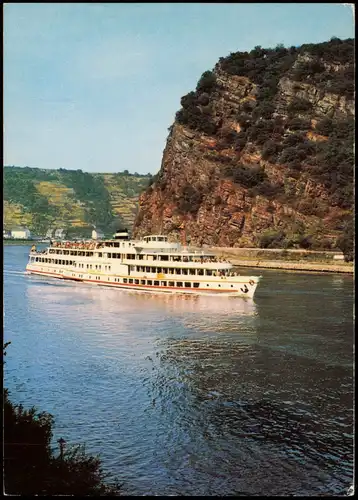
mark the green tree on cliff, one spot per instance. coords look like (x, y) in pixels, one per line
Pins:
(346, 241)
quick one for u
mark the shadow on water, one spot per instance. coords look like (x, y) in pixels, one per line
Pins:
(257, 416)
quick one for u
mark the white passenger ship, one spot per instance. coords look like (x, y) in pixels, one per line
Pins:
(150, 264)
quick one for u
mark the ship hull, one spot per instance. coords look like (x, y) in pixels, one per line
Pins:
(245, 287)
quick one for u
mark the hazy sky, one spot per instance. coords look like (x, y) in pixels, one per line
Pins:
(95, 86)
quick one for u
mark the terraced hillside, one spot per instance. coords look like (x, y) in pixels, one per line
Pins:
(42, 199)
(123, 193)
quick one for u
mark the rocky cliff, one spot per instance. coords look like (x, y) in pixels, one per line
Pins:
(261, 153)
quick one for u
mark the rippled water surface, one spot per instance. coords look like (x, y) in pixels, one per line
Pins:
(186, 395)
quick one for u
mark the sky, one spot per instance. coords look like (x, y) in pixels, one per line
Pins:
(95, 86)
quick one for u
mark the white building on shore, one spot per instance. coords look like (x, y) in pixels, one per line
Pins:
(338, 256)
(21, 233)
(97, 234)
(60, 234)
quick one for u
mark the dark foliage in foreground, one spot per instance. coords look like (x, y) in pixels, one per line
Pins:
(30, 468)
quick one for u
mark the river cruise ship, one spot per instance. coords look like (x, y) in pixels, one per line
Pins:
(152, 264)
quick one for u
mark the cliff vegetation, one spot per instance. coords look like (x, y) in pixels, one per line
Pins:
(261, 152)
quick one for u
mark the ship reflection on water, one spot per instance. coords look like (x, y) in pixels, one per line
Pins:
(109, 300)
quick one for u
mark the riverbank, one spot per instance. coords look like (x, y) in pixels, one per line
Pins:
(298, 266)
(21, 242)
(290, 260)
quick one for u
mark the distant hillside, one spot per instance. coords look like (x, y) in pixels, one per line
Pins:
(42, 199)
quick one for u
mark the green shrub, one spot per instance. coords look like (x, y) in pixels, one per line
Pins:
(228, 138)
(294, 139)
(248, 106)
(203, 99)
(190, 199)
(308, 206)
(30, 468)
(263, 110)
(270, 150)
(189, 100)
(295, 167)
(152, 179)
(246, 176)
(271, 239)
(314, 71)
(343, 129)
(226, 160)
(306, 241)
(207, 82)
(269, 190)
(196, 120)
(288, 155)
(298, 105)
(261, 131)
(287, 243)
(240, 141)
(298, 124)
(346, 241)
(307, 69)
(244, 120)
(326, 244)
(325, 126)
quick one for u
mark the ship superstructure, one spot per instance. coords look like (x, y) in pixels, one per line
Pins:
(151, 264)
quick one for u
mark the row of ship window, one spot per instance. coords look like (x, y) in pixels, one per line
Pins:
(95, 266)
(185, 284)
(171, 270)
(166, 258)
(130, 256)
(45, 260)
(53, 261)
(86, 253)
(72, 252)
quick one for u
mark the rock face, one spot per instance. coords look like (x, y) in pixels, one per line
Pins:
(260, 157)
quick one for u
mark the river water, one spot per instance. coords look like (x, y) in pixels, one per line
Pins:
(186, 395)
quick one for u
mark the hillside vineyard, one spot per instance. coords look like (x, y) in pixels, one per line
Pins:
(71, 199)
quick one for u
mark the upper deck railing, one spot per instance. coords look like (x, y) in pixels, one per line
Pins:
(136, 247)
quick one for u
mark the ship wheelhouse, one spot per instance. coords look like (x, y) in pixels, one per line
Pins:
(155, 238)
